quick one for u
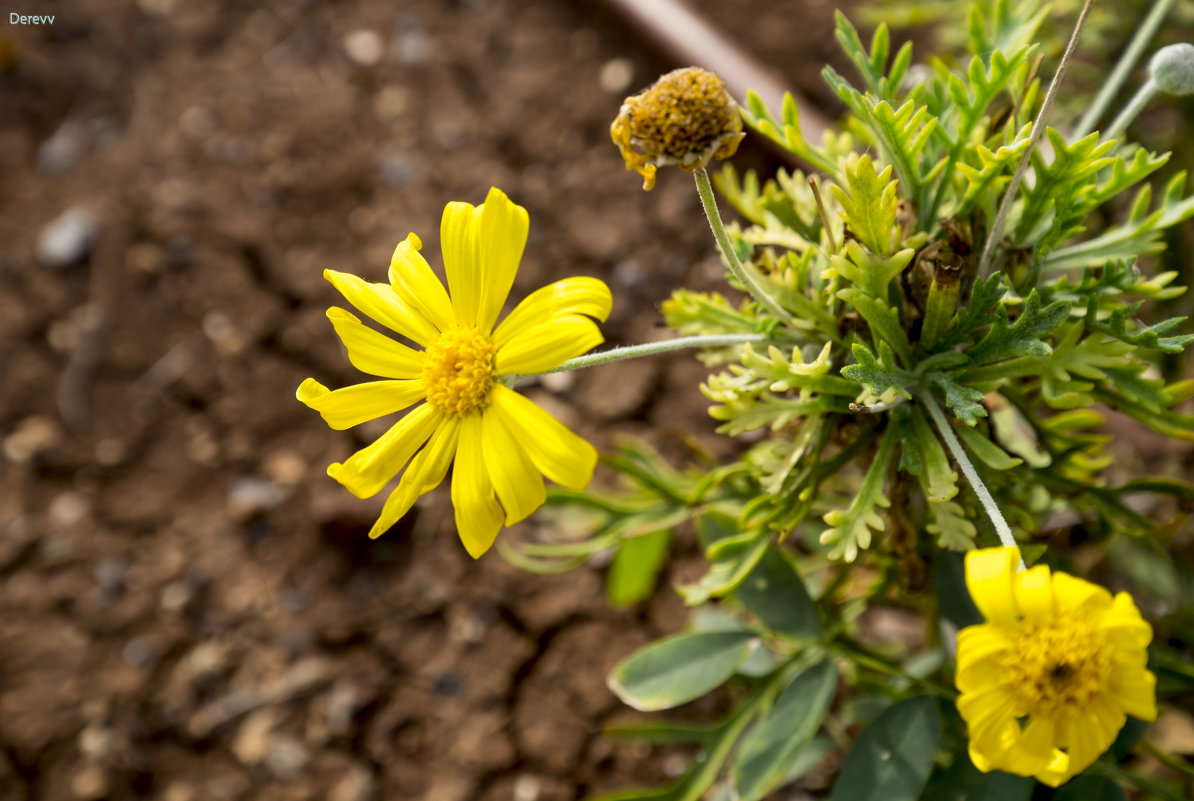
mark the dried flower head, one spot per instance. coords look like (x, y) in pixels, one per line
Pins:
(686, 118)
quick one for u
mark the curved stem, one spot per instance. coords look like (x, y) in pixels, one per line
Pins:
(1038, 128)
(1126, 63)
(1145, 93)
(646, 349)
(980, 489)
(756, 290)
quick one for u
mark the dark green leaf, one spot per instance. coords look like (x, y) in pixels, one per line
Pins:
(677, 669)
(1090, 788)
(953, 599)
(767, 752)
(893, 756)
(774, 593)
(964, 782)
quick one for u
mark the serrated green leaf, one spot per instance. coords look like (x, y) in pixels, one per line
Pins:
(766, 753)
(868, 203)
(893, 756)
(880, 375)
(954, 530)
(679, 669)
(939, 480)
(1024, 337)
(775, 594)
(987, 451)
(966, 402)
(850, 530)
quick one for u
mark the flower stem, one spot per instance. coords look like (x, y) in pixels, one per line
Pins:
(1126, 63)
(1038, 128)
(1145, 93)
(980, 489)
(756, 290)
(646, 349)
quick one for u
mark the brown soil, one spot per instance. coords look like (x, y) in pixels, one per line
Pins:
(190, 607)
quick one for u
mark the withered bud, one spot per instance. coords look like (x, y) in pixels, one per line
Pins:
(685, 118)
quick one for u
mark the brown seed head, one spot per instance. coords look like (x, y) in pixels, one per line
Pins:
(686, 118)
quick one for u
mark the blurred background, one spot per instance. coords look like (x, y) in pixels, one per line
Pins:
(189, 606)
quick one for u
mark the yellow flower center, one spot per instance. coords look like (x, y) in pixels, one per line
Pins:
(1058, 667)
(458, 370)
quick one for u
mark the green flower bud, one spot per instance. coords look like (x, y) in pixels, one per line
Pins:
(1172, 69)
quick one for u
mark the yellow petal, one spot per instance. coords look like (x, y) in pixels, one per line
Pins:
(373, 352)
(501, 237)
(981, 651)
(1134, 689)
(547, 345)
(1033, 750)
(519, 486)
(379, 302)
(1124, 626)
(416, 285)
(371, 468)
(345, 408)
(1085, 741)
(571, 296)
(989, 577)
(478, 514)
(425, 472)
(1075, 596)
(458, 241)
(1034, 593)
(556, 452)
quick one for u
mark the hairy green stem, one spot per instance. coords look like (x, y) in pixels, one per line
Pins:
(646, 349)
(1143, 95)
(756, 290)
(980, 489)
(1038, 128)
(1126, 63)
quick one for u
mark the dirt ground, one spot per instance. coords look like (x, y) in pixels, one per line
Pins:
(189, 607)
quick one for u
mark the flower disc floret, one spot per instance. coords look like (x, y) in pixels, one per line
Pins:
(686, 118)
(458, 371)
(1048, 681)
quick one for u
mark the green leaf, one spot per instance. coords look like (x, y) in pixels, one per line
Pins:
(1024, 337)
(774, 593)
(869, 204)
(880, 375)
(966, 402)
(893, 756)
(850, 530)
(635, 568)
(664, 732)
(938, 478)
(766, 754)
(964, 782)
(1090, 788)
(953, 529)
(678, 669)
(987, 451)
(953, 599)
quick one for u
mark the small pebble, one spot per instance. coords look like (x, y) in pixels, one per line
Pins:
(357, 784)
(616, 75)
(558, 382)
(254, 737)
(527, 788)
(391, 103)
(399, 170)
(249, 496)
(287, 757)
(109, 573)
(68, 508)
(138, 652)
(413, 45)
(62, 151)
(67, 240)
(197, 122)
(33, 435)
(364, 47)
(90, 783)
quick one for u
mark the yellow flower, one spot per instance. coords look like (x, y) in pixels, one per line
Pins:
(1047, 681)
(499, 441)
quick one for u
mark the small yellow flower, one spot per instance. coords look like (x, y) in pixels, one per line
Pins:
(499, 441)
(1048, 680)
(687, 118)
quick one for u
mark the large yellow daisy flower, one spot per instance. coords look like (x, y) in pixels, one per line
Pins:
(1048, 680)
(500, 441)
